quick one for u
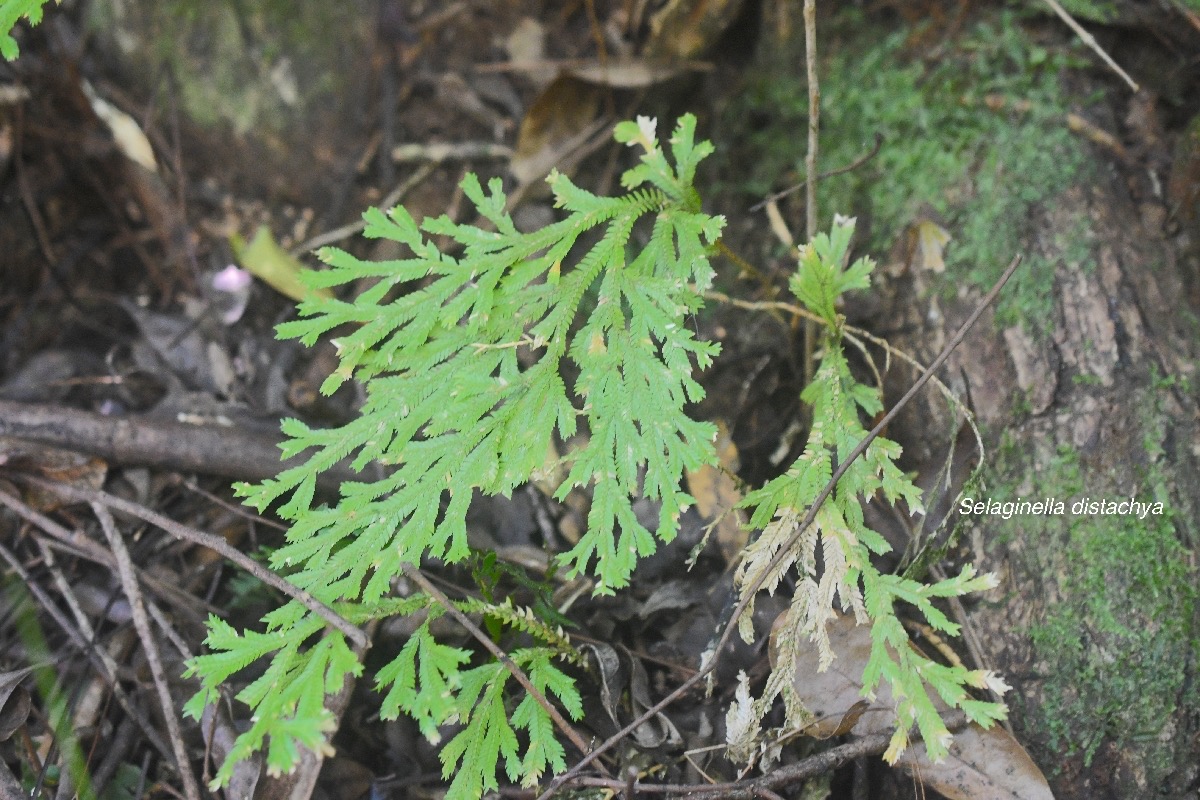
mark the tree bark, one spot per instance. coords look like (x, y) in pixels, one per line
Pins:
(1096, 620)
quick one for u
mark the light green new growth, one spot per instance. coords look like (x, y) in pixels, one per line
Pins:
(465, 394)
(10, 12)
(454, 408)
(847, 578)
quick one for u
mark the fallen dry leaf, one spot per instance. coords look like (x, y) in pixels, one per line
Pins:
(930, 246)
(560, 119)
(687, 28)
(716, 495)
(14, 702)
(626, 73)
(982, 765)
(266, 260)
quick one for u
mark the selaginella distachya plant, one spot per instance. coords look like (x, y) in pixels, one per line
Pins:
(466, 394)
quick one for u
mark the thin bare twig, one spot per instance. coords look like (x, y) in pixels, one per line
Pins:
(393, 198)
(810, 166)
(814, 118)
(560, 721)
(767, 785)
(87, 647)
(141, 622)
(210, 541)
(107, 669)
(763, 305)
(77, 544)
(192, 486)
(752, 589)
(1091, 42)
(168, 630)
(853, 165)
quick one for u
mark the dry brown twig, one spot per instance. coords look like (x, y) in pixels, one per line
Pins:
(814, 119)
(215, 543)
(107, 669)
(141, 622)
(766, 786)
(853, 165)
(392, 199)
(213, 449)
(810, 166)
(87, 647)
(1091, 42)
(77, 544)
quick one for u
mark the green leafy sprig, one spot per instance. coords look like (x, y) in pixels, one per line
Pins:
(10, 12)
(463, 359)
(847, 578)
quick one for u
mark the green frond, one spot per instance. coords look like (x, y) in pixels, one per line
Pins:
(10, 12)
(847, 577)
(452, 411)
(424, 678)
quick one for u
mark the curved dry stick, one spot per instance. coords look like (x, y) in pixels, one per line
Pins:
(141, 622)
(215, 543)
(751, 590)
(853, 165)
(560, 721)
(766, 785)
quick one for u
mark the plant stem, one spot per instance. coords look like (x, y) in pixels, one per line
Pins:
(810, 163)
(814, 119)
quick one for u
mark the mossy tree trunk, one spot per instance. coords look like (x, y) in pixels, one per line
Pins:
(1096, 622)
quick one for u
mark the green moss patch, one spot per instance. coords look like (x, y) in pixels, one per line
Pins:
(1114, 644)
(977, 136)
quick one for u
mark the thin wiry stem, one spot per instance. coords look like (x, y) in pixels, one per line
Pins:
(814, 118)
(810, 164)
(141, 622)
(766, 786)
(215, 543)
(853, 165)
(1091, 42)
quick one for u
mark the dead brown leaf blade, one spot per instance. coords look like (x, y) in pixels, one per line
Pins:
(983, 764)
